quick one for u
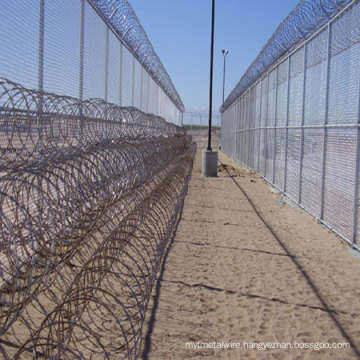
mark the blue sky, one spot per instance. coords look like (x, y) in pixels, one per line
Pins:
(179, 31)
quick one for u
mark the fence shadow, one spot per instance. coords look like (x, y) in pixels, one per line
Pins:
(295, 261)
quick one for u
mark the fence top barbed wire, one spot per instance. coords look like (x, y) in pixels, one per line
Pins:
(120, 16)
(307, 17)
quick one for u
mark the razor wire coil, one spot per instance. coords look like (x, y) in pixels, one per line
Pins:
(90, 194)
(120, 15)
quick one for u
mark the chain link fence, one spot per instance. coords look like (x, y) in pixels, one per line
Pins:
(196, 123)
(294, 116)
(85, 49)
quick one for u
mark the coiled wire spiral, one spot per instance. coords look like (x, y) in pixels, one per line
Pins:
(90, 194)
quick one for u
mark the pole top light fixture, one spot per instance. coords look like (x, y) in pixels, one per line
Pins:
(225, 52)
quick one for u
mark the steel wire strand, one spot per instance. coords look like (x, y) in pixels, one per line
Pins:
(128, 276)
(81, 216)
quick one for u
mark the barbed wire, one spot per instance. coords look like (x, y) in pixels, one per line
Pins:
(87, 208)
(121, 16)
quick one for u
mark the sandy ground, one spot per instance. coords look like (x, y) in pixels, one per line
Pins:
(244, 268)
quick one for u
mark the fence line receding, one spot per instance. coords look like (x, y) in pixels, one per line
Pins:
(85, 49)
(295, 118)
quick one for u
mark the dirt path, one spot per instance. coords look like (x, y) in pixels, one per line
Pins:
(245, 268)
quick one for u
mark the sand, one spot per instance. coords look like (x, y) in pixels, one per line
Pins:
(247, 270)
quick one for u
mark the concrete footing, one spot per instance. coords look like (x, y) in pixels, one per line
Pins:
(209, 163)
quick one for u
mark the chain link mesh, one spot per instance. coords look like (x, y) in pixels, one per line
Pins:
(307, 17)
(85, 49)
(305, 138)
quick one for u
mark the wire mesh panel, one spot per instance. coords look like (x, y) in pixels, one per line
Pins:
(314, 114)
(264, 107)
(343, 109)
(241, 127)
(270, 133)
(126, 77)
(62, 47)
(280, 145)
(154, 99)
(296, 84)
(144, 91)
(281, 121)
(344, 68)
(94, 50)
(316, 79)
(137, 89)
(257, 125)
(306, 122)
(114, 72)
(250, 150)
(339, 180)
(282, 93)
(312, 170)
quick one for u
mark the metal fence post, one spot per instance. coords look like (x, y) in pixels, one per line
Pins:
(237, 129)
(275, 122)
(81, 62)
(41, 46)
(245, 129)
(356, 192)
(141, 88)
(107, 63)
(247, 137)
(245, 132)
(356, 180)
(133, 82)
(266, 123)
(40, 71)
(148, 103)
(302, 126)
(120, 74)
(287, 124)
(259, 129)
(325, 123)
(254, 127)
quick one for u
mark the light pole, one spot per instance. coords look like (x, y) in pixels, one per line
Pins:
(224, 52)
(211, 71)
(209, 157)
